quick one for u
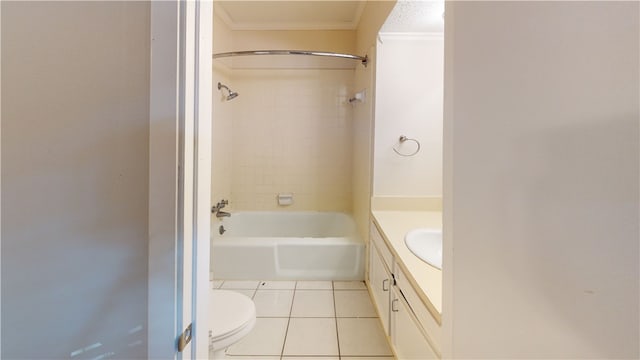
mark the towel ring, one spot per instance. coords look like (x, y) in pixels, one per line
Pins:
(402, 139)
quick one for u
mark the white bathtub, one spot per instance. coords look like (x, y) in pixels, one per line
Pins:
(287, 246)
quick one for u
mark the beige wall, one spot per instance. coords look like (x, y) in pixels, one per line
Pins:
(362, 130)
(411, 108)
(372, 18)
(339, 41)
(75, 128)
(541, 256)
(222, 36)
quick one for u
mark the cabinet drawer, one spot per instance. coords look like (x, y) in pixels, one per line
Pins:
(379, 242)
(424, 317)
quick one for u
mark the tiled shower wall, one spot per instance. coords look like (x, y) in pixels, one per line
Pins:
(222, 132)
(291, 133)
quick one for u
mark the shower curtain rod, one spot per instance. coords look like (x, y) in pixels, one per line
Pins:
(363, 59)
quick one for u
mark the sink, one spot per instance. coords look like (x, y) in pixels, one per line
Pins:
(426, 244)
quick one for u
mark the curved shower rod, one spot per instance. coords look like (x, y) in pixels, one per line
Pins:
(363, 59)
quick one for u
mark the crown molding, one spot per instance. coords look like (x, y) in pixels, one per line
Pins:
(317, 25)
(410, 35)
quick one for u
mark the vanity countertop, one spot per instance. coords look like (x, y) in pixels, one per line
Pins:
(426, 279)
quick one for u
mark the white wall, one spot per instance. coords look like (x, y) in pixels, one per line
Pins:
(541, 180)
(75, 162)
(405, 106)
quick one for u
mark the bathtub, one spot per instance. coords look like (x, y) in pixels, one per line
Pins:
(286, 246)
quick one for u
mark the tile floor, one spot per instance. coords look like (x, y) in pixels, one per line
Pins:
(320, 320)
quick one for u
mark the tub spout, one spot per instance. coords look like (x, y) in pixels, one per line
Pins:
(221, 214)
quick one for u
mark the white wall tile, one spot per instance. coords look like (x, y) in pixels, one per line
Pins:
(292, 133)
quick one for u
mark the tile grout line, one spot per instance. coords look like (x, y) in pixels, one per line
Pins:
(295, 289)
(318, 317)
(335, 314)
(255, 291)
(286, 332)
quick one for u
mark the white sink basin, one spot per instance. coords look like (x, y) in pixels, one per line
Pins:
(426, 244)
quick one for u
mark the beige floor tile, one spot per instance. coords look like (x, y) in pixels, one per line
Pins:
(313, 303)
(311, 337)
(277, 285)
(266, 338)
(362, 337)
(314, 285)
(354, 303)
(349, 285)
(310, 358)
(240, 284)
(273, 303)
(248, 293)
(239, 357)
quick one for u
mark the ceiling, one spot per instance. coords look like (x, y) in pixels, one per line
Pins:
(414, 16)
(410, 16)
(290, 15)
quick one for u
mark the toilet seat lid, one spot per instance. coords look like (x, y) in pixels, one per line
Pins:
(229, 312)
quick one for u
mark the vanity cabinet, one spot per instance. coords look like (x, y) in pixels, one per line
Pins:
(380, 281)
(404, 316)
(408, 340)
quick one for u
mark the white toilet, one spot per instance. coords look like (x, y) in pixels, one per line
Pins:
(232, 316)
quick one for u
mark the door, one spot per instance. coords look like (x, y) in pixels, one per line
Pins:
(116, 188)
(196, 187)
(180, 156)
(75, 179)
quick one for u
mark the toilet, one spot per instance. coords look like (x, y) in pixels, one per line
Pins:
(232, 316)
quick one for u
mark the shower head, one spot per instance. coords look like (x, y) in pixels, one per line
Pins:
(232, 94)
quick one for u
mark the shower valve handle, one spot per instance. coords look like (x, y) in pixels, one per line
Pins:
(221, 204)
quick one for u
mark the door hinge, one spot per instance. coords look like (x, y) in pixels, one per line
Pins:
(184, 338)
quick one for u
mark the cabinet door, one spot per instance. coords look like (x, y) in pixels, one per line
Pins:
(380, 281)
(408, 340)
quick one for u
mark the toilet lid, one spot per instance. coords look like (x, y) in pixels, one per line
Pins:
(229, 312)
